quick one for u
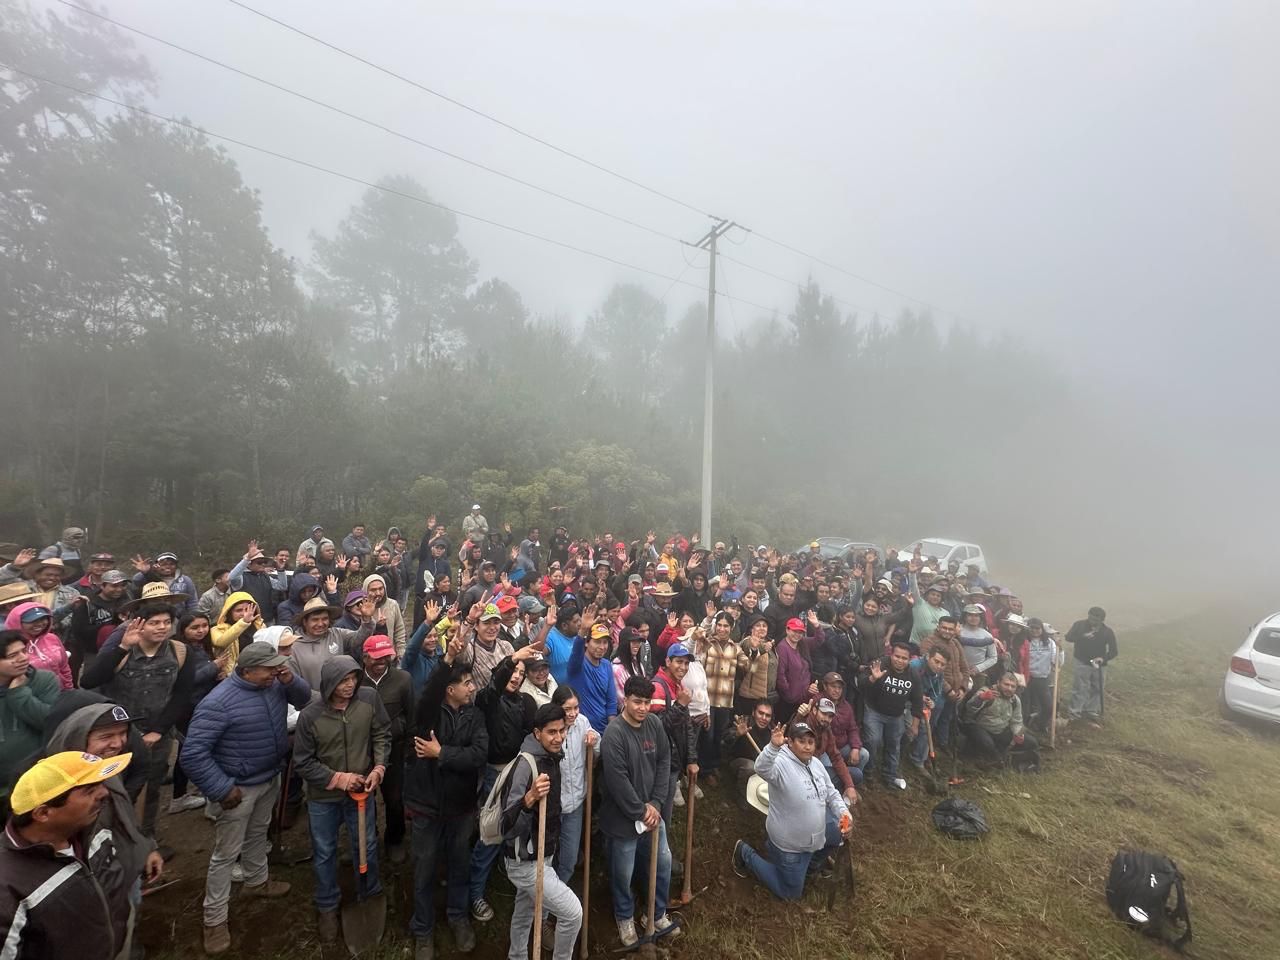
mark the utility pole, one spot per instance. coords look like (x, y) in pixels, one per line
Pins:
(708, 243)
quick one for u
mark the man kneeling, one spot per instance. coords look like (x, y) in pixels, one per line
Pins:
(807, 816)
(520, 836)
(993, 721)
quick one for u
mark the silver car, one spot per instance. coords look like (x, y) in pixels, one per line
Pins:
(1252, 684)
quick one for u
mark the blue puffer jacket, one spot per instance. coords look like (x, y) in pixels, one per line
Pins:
(237, 735)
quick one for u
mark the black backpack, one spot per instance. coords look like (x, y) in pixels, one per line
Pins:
(1138, 891)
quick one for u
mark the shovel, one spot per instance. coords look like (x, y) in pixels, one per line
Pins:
(932, 785)
(586, 860)
(365, 920)
(687, 895)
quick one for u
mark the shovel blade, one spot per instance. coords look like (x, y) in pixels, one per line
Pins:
(363, 923)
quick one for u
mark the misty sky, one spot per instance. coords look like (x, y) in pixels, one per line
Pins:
(1093, 175)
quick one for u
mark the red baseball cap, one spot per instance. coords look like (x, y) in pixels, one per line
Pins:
(795, 623)
(506, 604)
(378, 646)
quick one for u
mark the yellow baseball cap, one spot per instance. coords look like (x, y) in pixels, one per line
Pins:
(599, 632)
(55, 775)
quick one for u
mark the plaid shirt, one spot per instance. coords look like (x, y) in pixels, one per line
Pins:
(721, 664)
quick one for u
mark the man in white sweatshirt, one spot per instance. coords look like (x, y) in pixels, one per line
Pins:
(807, 816)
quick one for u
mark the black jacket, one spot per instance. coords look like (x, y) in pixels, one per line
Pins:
(893, 693)
(1091, 643)
(508, 717)
(446, 786)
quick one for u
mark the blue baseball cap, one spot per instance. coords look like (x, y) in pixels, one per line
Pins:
(34, 614)
(678, 650)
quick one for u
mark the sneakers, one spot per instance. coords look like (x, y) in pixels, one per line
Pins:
(182, 804)
(679, 797)
(268, 889)
(481, 910)
(627, 932)
(327, 925)
(464, 937)
(898, 783)
(237, 873)
(549, 934)
(665, 926)
(217, 939)
(697, 792)
(424, 949)
(739, 859)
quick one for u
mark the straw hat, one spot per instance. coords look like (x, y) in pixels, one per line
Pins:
(317, 605)
(155, 592)
(16, 593)
(758, 793)
(664, 590)
(35, 566)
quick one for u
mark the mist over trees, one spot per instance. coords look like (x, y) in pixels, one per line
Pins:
(171, 376)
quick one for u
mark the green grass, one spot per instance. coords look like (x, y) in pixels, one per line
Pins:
(1167, 774)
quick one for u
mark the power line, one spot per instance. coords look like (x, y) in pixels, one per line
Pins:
(359, 180)
(857, 276)
(575, 156)
(470, 109)
(370, 123)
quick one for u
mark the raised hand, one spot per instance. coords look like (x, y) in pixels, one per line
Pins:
(140, 563)
(672, 619)
(250, 549)
(711, 608)
(740, 726)
(877, 670)
(778, 736)
(132, 634)
(432, 610)
(331, 584)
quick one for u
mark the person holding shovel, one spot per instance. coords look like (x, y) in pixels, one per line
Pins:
(636, 762)
(529, 833)
(341, 746)
(741, 744)
(1095, 647)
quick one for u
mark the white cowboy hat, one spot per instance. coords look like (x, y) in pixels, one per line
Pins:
(758, 793)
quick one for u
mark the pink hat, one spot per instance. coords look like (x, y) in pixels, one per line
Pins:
(795, 623)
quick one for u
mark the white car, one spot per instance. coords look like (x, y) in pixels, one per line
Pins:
(1252, 685)
(946, 551)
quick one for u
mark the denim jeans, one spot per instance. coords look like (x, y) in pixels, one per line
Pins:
(326, 820)
(483, 855)
(557, 899)
(940, 720)
(628, 858)
(433, 836)
(882, 734)
(784, 873)
(570, 842)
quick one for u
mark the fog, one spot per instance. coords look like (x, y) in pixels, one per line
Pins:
(1095, 180)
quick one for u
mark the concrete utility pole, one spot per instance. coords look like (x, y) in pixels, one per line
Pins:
(708, 243)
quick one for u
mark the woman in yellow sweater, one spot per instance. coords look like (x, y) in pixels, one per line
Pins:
(235, 628)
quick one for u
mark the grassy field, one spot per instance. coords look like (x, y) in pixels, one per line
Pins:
(1167, 774)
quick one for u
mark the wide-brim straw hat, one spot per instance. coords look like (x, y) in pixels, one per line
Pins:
(317, 605)
(155, 592)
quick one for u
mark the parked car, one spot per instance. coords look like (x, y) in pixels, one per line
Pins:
(946, 551)
(1252, 684)
(835, 548)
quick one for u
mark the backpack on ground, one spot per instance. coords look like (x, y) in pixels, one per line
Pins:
(1138, 890)
(491, 812)
(960, 819)
(1024, 761)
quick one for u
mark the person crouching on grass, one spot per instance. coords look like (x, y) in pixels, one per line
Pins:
(341, 745)
(520, 837)
(807, 817)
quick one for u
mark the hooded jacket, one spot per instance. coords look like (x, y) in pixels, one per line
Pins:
(801, 798)
(46, 651)
(260, 586)
(310, 654)
(329, 741)
(230, 635)
(447, 785)
(238, 734)
(118, 813)
(519, 823)
(389, 609)
(508, 717)
(23, 710)
(395, 690)
(68, 702)
(288, 610)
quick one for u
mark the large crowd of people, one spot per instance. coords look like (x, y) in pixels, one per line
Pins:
(487, 692)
